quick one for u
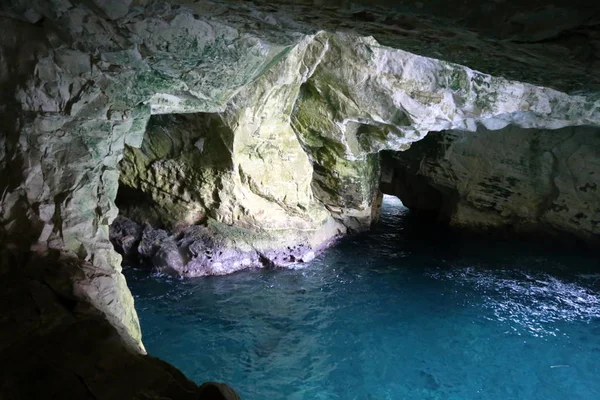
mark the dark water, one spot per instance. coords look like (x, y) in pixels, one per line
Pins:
(392, 314)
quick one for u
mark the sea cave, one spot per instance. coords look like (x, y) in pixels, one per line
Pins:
(299, 199)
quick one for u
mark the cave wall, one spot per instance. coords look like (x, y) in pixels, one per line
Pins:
(83, 86)
(80, 80)
(544, 182)
(76, 87)
(299, 148)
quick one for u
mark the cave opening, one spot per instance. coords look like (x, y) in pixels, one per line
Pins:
(208, 191)
(185, 205)
(294, 111)
(414, 191)
(460, 179)
(374, 299)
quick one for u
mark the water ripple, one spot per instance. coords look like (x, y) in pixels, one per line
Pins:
(534, 301)
(388, 315)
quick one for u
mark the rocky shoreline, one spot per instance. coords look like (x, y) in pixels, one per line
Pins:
(196, 251)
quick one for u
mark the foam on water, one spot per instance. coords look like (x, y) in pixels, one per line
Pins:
(398, 313)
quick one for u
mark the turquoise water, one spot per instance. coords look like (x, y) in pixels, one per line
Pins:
(397, 313)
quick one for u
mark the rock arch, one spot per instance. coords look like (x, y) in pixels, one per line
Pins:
(80, 81)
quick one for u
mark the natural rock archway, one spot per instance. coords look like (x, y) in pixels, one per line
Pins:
(542, 182)
(304, 107)
(297, 151)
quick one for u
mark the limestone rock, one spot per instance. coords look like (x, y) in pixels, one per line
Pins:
(151, 240)
(125, 235)
(541, 181)
(205, 250)
(296, 151)
(304, 96)
(114, 9)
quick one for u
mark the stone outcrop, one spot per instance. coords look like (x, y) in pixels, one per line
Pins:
(512, 180)
(293, 160)
(300, 97)
(200, 250)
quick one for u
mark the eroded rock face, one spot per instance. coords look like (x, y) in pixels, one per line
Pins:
(363, 98)
(200, 250)
(529, 181)
(293, 160)
(304, 97)
(78, 88)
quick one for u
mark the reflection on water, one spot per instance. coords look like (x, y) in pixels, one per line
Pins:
(534, 302)
(402, 312)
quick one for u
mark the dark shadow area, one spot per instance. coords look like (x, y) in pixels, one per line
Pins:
(421, 233)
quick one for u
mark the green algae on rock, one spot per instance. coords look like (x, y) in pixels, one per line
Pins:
(298, 147)
(290, 107)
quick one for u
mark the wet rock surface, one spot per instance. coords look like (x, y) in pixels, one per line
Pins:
(197, 251)
(125, 235)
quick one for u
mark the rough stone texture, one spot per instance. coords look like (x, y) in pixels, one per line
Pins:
(309, 93)
(200, 250)
(549, 43)
(381, 98)
(249, 187)
(533, 180)
(293, 159)
(83, 87)
(125, 235)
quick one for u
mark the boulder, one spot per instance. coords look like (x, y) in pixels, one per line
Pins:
(125, 235)
(217, 391)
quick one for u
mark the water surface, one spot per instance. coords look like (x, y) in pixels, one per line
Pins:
(397, 313)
